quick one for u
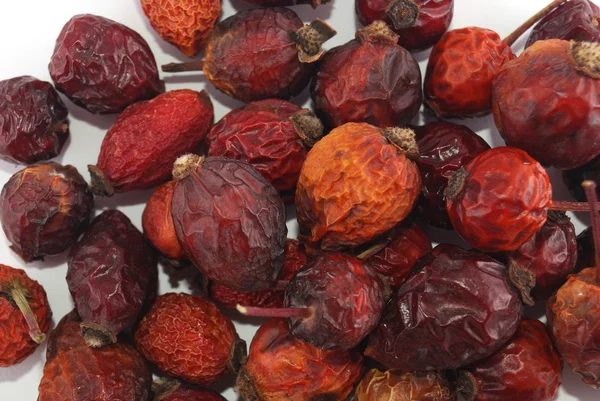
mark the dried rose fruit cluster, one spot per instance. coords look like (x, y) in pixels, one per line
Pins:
(362, 281)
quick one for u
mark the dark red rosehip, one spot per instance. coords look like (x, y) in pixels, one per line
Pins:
(585, 249)
(102, 65)
(395, 385)
(369, 79)
(574, 177)
(457, 308)
(112, 271)
(281, 3)
(33, 120)
(176, 392)
(44, 207)
(418, 23)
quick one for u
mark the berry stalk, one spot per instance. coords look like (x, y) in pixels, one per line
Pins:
(512, 38)
(590, 193)
(19, 295)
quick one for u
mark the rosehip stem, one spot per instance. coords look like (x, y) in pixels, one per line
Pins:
(372, 251)
(590, 193)
(512, 38)
(273, 312)
(19, 295)
(570, 206)
(183, 67)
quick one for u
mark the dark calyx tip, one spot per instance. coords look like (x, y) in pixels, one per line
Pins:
(163, 387)
(244, 386)
(456, 184)
(310, 38)
(378, 31)
(403, 13)
(308, 126)
(556, 216)
(238, 356)
(97, 336)
(466, 385)
(586, 57)
(101, 185)
(403, 138)
(185, 165)
(524, 280)
(183, 67)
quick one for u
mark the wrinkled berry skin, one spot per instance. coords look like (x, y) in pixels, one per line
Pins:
(573, 20)
(542, 104)
(460, 71)
(192, 394)
(139, 150)
(443, 148)
(231, 223)
(295, 259)
(102, 65)
(502, 202)
(585, 249)
(44, 207)
(433, 19)
(111, 272)
(573, 179)
(282, 367)
(157, 222)
(369, 79)
(458, 308)
(16, 343)
(395, 385)
(33, 120)
(281, 3)
(187, 337)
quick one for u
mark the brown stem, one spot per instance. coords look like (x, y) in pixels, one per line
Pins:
(590, 193)
(60, 128)
(512, 38)
(372, 251)
(310, 38)
(19, 296)
(183, 67)
(403, 13)
(569, 206)
(96, 335)
(273, 312)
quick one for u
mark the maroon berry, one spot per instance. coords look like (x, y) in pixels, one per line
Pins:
(574, 177)
(586, 255)
(173, 391)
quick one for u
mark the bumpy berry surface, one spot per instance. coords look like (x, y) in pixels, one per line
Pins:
(158, 222)
(189, 394)
(395, 385)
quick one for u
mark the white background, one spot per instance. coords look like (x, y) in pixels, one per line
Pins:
(28, 30)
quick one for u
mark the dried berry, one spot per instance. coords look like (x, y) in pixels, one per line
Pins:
(184, 23)
(457, 308)
(418, 23)
(356, 184)
(282, 367)
(111, 272)
(261, 53)
(527, 368)
(542, 102)
(189, 338)
(586, 255)
(33, 120)
(169, 390)
(574, 177)
(273, 135)
(44, 207)
(281, 3)
(395, 385)
(369, 79)
(102, 65)
(24, 315)
(230, 221)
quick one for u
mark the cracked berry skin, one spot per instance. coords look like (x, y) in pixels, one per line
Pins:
(283, 367)
(574, 177)
(102, 65)
(191, 394)
(281, 3)
(33, 120)
(394, 385)
(457, 307)
(187, 337)
(44, 208)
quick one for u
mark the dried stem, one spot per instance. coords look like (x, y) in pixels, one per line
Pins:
(512, 38)
(19, 296)
(372, 251)
(273, 312)
(183, 67)
(590, 192)
(569, 206)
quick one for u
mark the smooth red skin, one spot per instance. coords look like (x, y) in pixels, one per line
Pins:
(102, 65)
(527, 368)
(433, 20)
(460, 72)
(573, 178)
(231, 223)
(368, 80)
(262, 135)
(196, 394)
(250, 55)
(544, 106)
(111, 272)
(573, 20)
(283, 367)
(139, 150)
(187, 337)
(157, 222)
(585, 249)
(443, 148)
(44, 208)
(504, 200)
(29, 108)
(457, 309)
(281, 3)
(15, 342)
(75, 372)
(295, 259)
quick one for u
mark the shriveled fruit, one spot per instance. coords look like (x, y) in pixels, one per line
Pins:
(282, 367)
(586, 254)
(174, 391)
(24, 315)
(187, 337)
(139, 150)
(574, 177)
(102, 65)
(44, 207)
(395, 385)
(280, 3)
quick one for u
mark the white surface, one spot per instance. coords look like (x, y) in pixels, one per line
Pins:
(28, 29)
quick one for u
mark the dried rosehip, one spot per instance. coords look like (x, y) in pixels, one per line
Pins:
(230, 221)
(586, 255)
(33, 120)
(356, 184)
(24, 315)
(457, 308)
(102, 65)
(574, 177)
(189, 338)
(395, 385)
(111, 272)
(139, 149)
(443, 148)
(418, 23)
(295, 259)
(273, 135)
(44, 207)
(369, 79)
(260, 54)
(281, 3)
(173, 391)
(282, 367)
(527, 368)
(184, 23)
